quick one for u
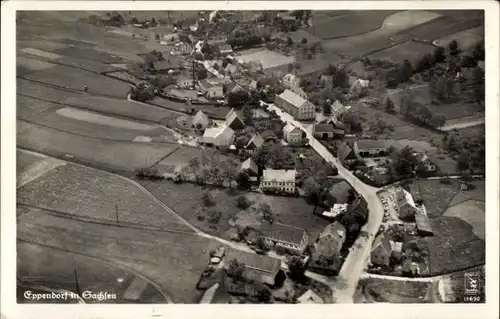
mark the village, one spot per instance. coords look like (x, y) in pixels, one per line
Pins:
(253, 122)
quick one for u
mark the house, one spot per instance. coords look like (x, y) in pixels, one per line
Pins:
(297, 90)
(371, 148)
(330, 241)
(233, 121)
(250, 166)
(325, 80)
(309, 297)
(255, 142)
(164, 66)
(292, 134)
(337, 109)
(287, 19)
(183, 48)
(290, 80)
(295, 105)
(425, 162)
(290, 238)
(327, 131)
(359, 85)
(415, 193)
(335, 211)
(383, 250)
(204, 85)
(346, 154)
(173, 37)
(215, 93)
(258, 268)
(278, 180)
(220, 136)
(423, 225)
(411, 268)
(200, 121)
(225, 49)
(405, 205)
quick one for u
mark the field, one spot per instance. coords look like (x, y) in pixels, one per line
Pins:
(181, 157)
(218, 112)
(268, 58)
(115, 155)
(437, 196)
(112, 106)
(186, 200)
(71, 78)
(350, 24)
(25, 160)
(472, 212)
(477, 192)
(89, 54)
(410, 50)
(380, 290)
(173, 261)
(77, 190)
(38, 265)
(466, 39)
(454, 246)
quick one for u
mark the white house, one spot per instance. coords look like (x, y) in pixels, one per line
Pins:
(295, 105)
(201, 121)
(278, 180)
(292, 134)
(291, 80)
(337, 109)
(291, 238)
(221, 136)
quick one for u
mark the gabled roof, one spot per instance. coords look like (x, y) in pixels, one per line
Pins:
(323, 128)
(224, 132)
(281, 175)
(292, 98)
(423, 223)
(290, 77)
(289, 127)
(310, 297)
(283, 233)
(257, 140)
(383, 242)
(330, 238)
(338, 107)
(256, 265)
(345, 151)
(200, 117)
(225, 48)
(249, 164)
(232, 116)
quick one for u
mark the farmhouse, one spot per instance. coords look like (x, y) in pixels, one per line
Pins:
(359, 85)
(290, 238)
(405, 205)
(259, 268)
(423, 225)
(383, 250)
(233, 121)
(309, 297)
(425, 162)
(255, 142)
(200, 121)
(371, 148)
(250, 166)
(330, 241)
(290, 80)
(292, 134)
(295, 105)
(164, 66)
(337, 109)
(215, 93)
(346, 154)
(327, 131)
(220, 136)
(278, 180)
(335, 211)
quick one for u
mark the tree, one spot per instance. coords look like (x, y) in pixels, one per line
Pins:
(201, 73)
(341, 78)
(478, 51)
(207, 198)
(289, 41)
(304, 40)
(235, 269)
(247, 115)
(202, 176)
(238, 98)
(263, 293)
(229, 170)
(266, 211)
(404, 162)
(439, 55)
(453, 46)
(352, 120)
(243, 179)
(389, 105)
(332, 69)
(437, 120)
(463, 162)
(243, 202)
(405, 71)
(153, 22)
(116, 19)
(425, 63)
(297, 268)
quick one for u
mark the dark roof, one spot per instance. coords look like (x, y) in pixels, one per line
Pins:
(330, 237)
(250, 165)
(326, 128)
(369, 144)
(383, 242)
(257, 140)
(423, 223)
(164, 65)
(284, 233)
(255, 262)
(345, 152)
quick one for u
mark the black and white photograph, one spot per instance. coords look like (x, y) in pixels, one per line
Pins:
(251, 157)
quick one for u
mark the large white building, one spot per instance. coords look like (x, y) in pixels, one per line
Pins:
(278, 180)
(220, 136)
(295, 105)
(292, 134)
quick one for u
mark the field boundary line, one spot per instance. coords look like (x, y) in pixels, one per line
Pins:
(100, 221)
(164, 157)
(109, 262)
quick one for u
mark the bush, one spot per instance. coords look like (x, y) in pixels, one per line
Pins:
(148, 173)
(243, 202)
(208, 199)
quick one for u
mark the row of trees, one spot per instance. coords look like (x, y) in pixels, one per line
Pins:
(417, 112)
(210, 169)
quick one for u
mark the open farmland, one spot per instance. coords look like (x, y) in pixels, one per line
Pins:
(89, 54)
(410, 50)
(71, 78)
(181, 157)
(31, 166)
(394, 291)
(26, 159)
(268, 58)
(454, 246)
(212, 111)
(472, 212)
(349, 24)
(187, 200)
(466, 39)
(436, 195)
(77, 191)
(115, 155)
(54, 268)
(173, 261)
(106, 105)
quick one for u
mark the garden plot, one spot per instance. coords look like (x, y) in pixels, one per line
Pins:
(115, 155)
(171, 260)
(268, 58)
(472, 212)
(32, 166)
(394, 291)
(436, 195)
(85, 192)
(106, 105)
(454, 246)
(71, 78)
(466, 39)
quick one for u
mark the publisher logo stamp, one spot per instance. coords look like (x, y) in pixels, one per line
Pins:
(471, 283)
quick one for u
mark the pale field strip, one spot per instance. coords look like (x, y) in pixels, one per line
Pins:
(37, 169)
(466, 38)
(41, 53)
(35, 65)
